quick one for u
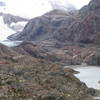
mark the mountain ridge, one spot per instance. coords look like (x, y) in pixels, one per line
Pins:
(69, 28)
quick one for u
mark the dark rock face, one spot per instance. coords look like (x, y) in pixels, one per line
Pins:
(42, 28)
(86, 29)
(95, 59)
(81, 27)
(94, 5)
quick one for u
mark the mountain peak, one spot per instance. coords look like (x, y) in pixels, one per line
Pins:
(94, 4)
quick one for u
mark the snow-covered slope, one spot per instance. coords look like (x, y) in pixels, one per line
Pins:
(19, 26)
(9, 24)
(5, 31)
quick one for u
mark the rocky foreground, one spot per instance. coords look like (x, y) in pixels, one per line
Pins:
(23, 77)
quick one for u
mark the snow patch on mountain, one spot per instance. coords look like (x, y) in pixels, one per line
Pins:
(5, 31)
(19, 26)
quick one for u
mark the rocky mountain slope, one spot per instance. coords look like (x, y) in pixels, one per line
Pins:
(43, 27)
(69, 54)
(86, 29)
(67, 38)
(26, 78)
(82, 26)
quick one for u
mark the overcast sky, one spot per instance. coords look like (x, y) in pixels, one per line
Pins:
(33, 8)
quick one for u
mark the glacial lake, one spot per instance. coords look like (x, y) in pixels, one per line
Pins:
(89, 75)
